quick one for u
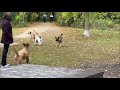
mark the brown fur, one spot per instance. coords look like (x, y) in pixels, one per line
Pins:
(59, 39)
(22, 54)
(33, 34)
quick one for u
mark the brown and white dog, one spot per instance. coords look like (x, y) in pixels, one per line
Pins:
(59, 39)
(22, 54)
(33, 34)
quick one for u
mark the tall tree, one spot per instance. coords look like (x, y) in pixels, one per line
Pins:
(86, 31)
(23, 17)
(28, 16)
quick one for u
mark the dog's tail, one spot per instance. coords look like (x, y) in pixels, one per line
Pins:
(16, 52)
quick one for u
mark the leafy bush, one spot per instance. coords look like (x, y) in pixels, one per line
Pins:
(19, 21)
(67, 18)
(34, 16)
(18, 25)
(79, 23)
(98, 20)
(102, 24)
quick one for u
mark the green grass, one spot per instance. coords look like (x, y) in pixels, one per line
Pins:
(80, 50)
(101, 46)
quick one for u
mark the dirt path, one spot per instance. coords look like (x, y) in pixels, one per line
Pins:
(40, 28)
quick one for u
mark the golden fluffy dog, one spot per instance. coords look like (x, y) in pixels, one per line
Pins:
(22, 54)
(33, 34)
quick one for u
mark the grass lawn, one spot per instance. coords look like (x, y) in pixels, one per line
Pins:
(101, 46)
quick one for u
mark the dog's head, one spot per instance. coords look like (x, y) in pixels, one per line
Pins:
(26, 45)
(56, 38)
(61, 34)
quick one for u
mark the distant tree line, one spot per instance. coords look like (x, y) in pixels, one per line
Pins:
(97, 20)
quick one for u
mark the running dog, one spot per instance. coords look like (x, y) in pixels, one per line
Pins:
(32, 35)
(22, 54)
(59, 39)
(38, 39)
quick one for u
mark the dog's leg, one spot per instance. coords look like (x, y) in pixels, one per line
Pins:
(17, 62)
(34, 42)
(27, 60)
(20, 62)
(39, 42)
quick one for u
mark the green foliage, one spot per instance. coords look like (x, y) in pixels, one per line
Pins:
(102, 24)
(19, 20)
(1, 16)
(116, 17)
(67, 18)
(34, 16)
(19, 25)
(97, 20)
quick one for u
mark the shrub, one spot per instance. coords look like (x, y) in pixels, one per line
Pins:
(18, 25)
(102, 24)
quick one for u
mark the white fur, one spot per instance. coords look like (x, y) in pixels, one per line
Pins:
(38, 40)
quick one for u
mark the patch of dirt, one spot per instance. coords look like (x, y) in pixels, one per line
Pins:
(40, 28)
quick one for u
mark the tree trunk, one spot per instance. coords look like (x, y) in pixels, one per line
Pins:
(86, 31)
(28, 16)
(38, 16)
(53, 15)
(23, 17)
